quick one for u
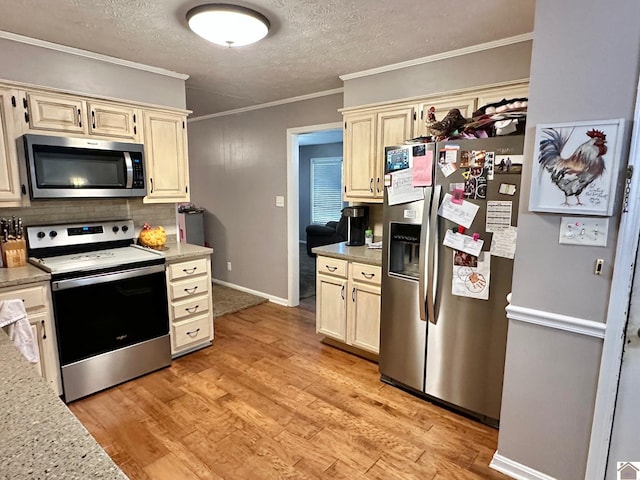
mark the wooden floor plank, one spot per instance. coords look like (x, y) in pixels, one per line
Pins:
(269, 401)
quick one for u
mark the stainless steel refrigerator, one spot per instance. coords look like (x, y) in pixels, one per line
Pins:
(434, 342)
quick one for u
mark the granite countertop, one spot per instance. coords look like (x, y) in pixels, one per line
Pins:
(177, 252)
(371, 256)
(10, 277)
(39, 436)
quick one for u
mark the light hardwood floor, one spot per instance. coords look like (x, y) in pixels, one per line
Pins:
(269, 401)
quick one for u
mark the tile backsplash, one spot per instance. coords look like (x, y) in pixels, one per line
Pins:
(87, 210)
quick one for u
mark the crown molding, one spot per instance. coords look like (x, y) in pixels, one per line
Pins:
(14, 37)
(267, 105)
(525, 37)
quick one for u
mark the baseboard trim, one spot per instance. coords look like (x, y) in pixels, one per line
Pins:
(271, 298)
(554, 320)
(516, 470)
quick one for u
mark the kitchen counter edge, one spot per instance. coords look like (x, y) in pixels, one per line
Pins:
(362, 254)
(41, 438)
(10, 277)
(177, 251)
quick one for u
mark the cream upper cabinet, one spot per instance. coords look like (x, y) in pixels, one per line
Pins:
(10, 192)
(112, 120)
(165, 142)
(55, 113)
(494, 95)
(359, 166)
(393, 127)
(442, 106)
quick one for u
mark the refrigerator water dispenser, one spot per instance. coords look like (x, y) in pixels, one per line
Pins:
(404, 250)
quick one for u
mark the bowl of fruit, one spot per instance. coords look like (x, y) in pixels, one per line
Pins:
(155, 238)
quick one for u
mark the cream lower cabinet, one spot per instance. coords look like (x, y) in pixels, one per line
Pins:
(37, 301)
(348, 302)
(190, 304)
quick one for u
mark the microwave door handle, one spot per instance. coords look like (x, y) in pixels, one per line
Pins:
(426, 208)
(129, 166)
(432, 249)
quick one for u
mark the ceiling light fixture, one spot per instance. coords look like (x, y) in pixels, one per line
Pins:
(228, 25)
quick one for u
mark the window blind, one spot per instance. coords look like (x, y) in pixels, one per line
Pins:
(326, 189)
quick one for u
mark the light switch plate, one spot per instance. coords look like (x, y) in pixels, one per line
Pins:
(588, 231)
(279, 201)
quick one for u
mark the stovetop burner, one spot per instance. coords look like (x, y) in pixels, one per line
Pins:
(92, 256)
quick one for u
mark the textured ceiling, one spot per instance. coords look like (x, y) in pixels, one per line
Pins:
(311, 42)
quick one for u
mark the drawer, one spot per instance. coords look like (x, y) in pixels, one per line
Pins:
(33, 297)
(188, 269)
(332, 266)
(361, 272)
(189, 287)
(197, 330)
(190, 307)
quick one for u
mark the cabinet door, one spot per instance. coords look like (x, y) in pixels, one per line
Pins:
(497, 94)
(165, 143)
(9, 169)
(359, 157)
(393, 128)
(364, 317)
(466, 104)
(41, 325)
(113, 120)
(331, 311)
(56, 113)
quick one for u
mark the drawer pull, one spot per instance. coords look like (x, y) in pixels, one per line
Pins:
(191, 290)
(193, 333)
(189, 271)
(192, 309)
(330, 268)
(368, 276)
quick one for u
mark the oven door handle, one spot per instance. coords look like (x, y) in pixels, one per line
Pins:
(105, 277)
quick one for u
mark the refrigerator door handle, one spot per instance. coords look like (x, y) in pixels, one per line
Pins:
(422, 307)
(432, 252)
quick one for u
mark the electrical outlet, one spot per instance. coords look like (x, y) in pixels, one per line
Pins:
(279, 201)
(228, 266)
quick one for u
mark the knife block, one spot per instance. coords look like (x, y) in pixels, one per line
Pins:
(14, 253)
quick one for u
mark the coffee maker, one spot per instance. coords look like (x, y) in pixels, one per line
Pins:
(357, 219)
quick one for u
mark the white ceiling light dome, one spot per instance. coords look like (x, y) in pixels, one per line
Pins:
(228, 25)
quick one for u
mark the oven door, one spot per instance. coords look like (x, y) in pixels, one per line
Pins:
(111, 327)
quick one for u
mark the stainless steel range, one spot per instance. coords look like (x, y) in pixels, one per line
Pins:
(110, 303)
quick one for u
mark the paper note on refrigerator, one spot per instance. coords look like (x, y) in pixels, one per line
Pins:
(503, 243)
(498, 215)
(462, 242)
(422, 168)
(462, 214)
(401, 189)
(472, 281)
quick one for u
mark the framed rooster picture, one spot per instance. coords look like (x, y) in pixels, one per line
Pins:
(576, 167)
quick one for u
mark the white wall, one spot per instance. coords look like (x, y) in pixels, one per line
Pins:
(584, 66)
(238, 165)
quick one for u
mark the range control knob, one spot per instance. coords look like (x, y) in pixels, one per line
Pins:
(41, 234)
(115, 229)
(124, 228)
(53, 234)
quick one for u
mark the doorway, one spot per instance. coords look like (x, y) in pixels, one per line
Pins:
(303, 143)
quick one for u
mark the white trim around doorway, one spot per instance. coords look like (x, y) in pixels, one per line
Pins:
(293, 207)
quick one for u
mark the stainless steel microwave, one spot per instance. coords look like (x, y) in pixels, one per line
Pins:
(62, 167)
